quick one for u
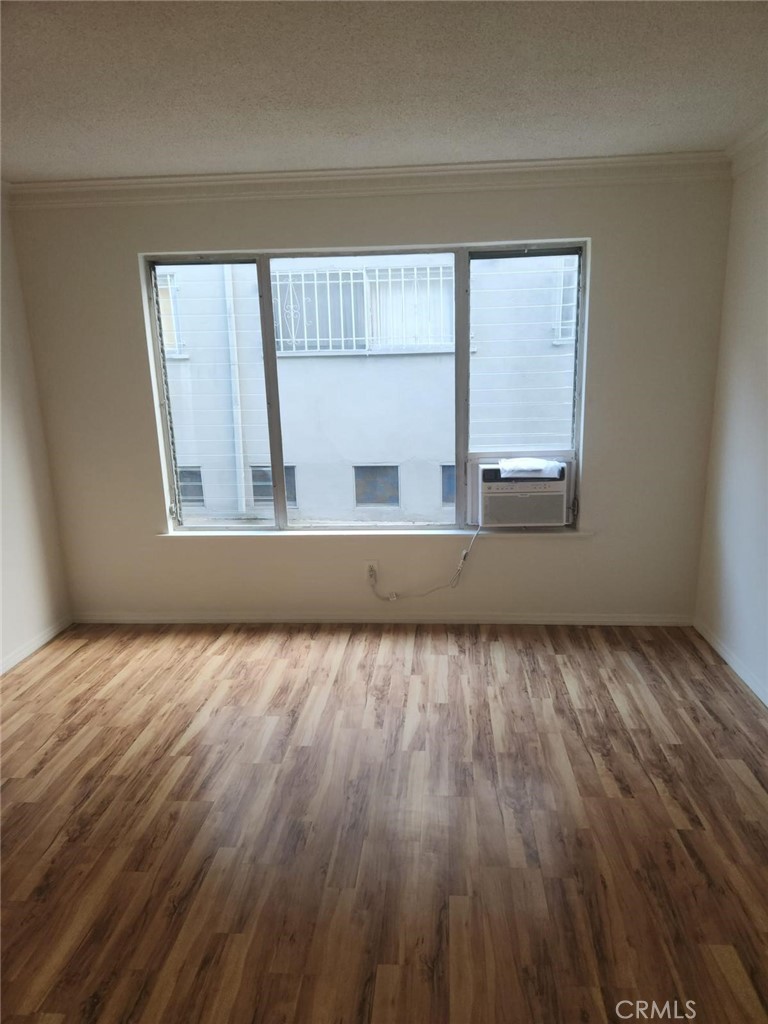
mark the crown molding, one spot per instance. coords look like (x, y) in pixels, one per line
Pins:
(375, 181)
(749, 149)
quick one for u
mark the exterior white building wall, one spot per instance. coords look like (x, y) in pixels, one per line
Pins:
(359, 408)
(344, 411)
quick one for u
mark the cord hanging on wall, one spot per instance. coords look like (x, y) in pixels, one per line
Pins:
(395, 595)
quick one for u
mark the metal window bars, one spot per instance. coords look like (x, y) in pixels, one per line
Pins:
(370, 309)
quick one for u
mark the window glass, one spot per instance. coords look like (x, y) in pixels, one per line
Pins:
(262, 483)
(363, 372)
(366, 378)
(218, 409)
(523, 312)
(449, 485)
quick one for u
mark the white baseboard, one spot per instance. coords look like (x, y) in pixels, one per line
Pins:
(509, 618)
(33, 644)
(752, 680)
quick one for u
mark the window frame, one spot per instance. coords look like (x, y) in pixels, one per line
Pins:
(465, 460)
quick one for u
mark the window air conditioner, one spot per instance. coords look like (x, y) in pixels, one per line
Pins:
(524, 500)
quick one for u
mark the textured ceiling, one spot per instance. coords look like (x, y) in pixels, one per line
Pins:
(97, 90)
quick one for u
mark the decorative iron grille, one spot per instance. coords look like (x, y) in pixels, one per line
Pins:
(370, 309)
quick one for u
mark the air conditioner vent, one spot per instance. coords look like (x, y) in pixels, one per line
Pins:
(522, 501)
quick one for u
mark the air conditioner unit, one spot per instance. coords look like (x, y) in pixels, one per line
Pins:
(524, 500)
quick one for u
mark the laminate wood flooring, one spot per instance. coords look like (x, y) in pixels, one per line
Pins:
(387, 824)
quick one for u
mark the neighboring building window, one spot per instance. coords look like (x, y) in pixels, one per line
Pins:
(360, 304)
(166, 297)
(261, 481)
(319, 310)
(191, 485)
(566, 301)
(377, 485)
(449, 485)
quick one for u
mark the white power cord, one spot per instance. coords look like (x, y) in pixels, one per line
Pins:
(394, 595)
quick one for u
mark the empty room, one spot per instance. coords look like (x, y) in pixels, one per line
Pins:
(384, 512)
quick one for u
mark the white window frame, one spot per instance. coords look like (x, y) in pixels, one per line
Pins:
(466, 461)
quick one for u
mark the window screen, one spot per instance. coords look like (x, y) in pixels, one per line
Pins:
(523, 325)
(217, 396)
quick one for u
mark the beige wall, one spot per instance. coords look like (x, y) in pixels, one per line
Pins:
(658, 250)
(34, 594)
(732, 609)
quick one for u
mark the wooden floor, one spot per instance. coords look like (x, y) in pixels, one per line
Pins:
(462, 825)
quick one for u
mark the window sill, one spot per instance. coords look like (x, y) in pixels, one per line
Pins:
(405, 351)
(557, 531)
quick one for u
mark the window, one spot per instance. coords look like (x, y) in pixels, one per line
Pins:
(360, 305)
(449, 485)
(319, 310)
(372, 372)
(377, 485)
(566, 301)
(191, 485)
(261, 481)
(166, 298)
(350, 415)
(521, 392)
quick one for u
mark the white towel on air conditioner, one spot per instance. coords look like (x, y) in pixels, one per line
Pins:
(545, 468)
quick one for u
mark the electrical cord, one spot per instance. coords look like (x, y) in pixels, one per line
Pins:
(395, 595)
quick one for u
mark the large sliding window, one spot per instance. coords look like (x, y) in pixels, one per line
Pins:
(360, 390)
